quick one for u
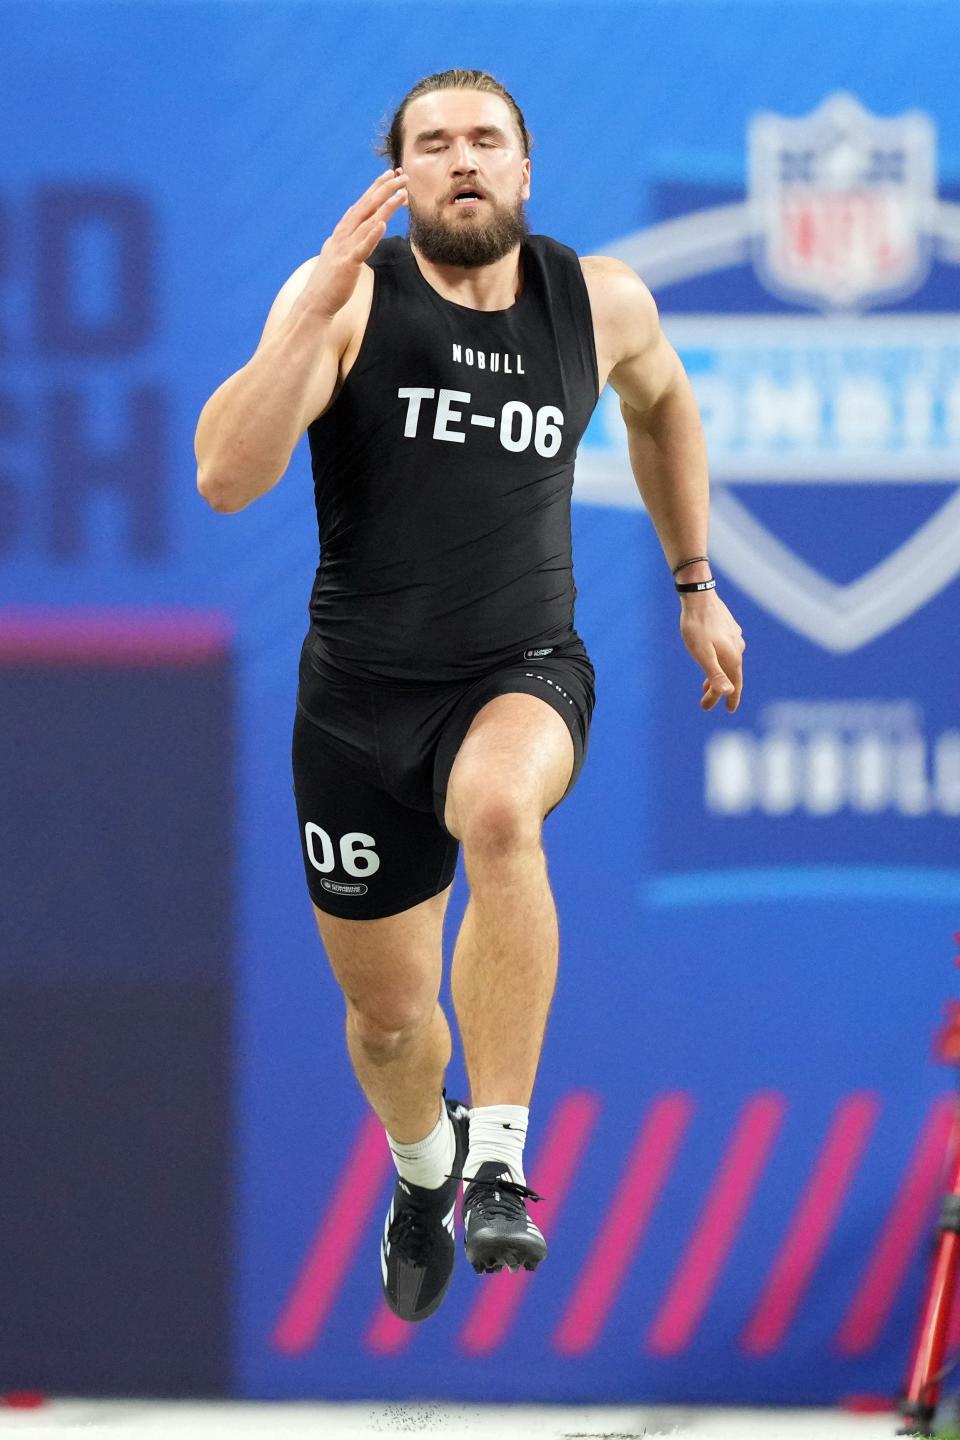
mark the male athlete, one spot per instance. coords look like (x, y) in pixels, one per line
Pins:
(445, 698)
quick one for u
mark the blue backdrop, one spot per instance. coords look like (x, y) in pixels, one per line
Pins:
(737, 1122)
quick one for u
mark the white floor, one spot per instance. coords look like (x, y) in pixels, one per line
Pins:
(189, 1420)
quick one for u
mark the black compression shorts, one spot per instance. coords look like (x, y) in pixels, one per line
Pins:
(371, 764)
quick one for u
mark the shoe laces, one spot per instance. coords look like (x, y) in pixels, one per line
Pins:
(411, 1233)
(497, 1195)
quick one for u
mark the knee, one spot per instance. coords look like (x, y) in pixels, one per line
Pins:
(499, 823)
(386, 1026)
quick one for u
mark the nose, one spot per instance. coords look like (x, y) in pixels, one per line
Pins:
(462, 157)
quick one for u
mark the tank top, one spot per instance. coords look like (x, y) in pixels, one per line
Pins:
(443, 474)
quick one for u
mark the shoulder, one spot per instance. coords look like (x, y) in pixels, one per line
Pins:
(617, 294)
(626, 323)
(625, 319)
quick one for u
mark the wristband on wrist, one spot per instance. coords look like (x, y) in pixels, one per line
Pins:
(694, 586)
(694, 559)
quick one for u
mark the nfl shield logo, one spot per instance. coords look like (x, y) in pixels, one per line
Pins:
(842, 204)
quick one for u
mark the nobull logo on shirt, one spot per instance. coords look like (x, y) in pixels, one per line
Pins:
(496, 361)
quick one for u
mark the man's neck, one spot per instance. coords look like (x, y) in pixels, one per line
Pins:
(481, 287)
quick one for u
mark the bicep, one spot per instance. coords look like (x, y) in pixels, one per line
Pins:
(322, 380)
(287, 296)
(648, 374)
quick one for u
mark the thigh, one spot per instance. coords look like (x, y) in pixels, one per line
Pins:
(522, 732)
(366, 856)
(517, 748)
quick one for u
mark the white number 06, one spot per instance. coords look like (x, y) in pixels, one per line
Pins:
(355, 859)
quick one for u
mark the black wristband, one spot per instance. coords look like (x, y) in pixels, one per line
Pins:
(695, 585)
(694, 559)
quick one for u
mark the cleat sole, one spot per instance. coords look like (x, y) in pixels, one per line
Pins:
(511, 1260)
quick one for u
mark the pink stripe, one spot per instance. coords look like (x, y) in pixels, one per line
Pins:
(812, 1224)
(911, 1219)
(647, 1171)
(557, 1161)
(336, 1239)
(388, 1334)
(720, 1221)
(114, 637)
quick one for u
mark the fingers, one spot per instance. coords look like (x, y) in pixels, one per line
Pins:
(364, 239)
(724, 682)
(392, 204)
(374, 195)
(367, 234)
(724, 678)
(388, 188)
(715, 687)
(734, 671)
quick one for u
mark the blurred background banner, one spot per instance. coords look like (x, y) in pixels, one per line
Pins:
(739, 1125)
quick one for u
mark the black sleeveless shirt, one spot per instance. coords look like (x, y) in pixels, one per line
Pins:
(443, 473)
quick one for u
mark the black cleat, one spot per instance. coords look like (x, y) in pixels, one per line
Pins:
(418, 1248)
(497, 1230)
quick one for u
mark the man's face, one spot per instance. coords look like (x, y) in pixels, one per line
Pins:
(463, 143)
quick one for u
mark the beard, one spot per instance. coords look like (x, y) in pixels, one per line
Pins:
(468, 242)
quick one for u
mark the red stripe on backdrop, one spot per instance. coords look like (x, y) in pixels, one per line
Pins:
(557, 1162)
(335, 1242)
(388, 1334)
(648, 1169)
(812, 1224)
(720, 1220)
(111, 637)
(912, 1218)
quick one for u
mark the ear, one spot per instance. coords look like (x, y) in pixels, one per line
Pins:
(525, 187)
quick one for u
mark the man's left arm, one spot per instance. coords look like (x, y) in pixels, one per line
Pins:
(668, 457)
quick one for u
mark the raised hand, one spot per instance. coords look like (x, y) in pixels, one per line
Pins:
(335, 275)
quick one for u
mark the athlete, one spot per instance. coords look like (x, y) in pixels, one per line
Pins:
(445, 380)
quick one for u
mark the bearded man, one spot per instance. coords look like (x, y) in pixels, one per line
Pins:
(445, 381)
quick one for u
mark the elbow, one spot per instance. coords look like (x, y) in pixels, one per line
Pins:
(218, 494)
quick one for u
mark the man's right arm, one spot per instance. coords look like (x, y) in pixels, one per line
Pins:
(250, 425)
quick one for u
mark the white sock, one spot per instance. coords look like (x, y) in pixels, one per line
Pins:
(497, 1132)
(429, 1161)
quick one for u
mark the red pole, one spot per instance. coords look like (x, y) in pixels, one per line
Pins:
(923, 1387)
(926, 1373)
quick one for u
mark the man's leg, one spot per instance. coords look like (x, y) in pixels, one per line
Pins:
(513, 766)
(399, 1044)
(397, 1035)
